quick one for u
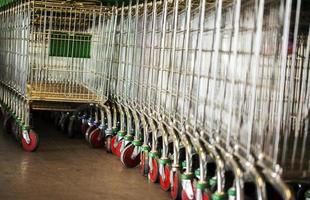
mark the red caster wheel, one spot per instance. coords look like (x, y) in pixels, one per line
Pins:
(116, 146)
(176, 189)
(188, 181)
(153, 171)
(186, 197)
(165, 181)
(108, 140)
(206, 195)
(113, 148)
(95, 138)
(128, 159)
(88, 131)
(144, 163)
(34, 142)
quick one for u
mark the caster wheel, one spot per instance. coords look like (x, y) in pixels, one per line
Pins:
(176, 189)
(165, 182)
(206, 196)
(154, 173)
(127, 158)
(144, 166)
(113, 148)
(186, 197)
(108, 140)
(116, 146)
(88, 132)
(95, 138)
(34, 143)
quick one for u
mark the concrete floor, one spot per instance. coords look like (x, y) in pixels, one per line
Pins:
(65, 168)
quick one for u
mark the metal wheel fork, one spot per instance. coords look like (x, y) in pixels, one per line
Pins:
(114, 125)
(164, 154)
(122, 122)
(128, 137)
(25, 135)
(109, 130)
(153, 154)
(137, 142)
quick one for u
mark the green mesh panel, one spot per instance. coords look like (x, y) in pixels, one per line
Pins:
(74, 46)
(6, 2)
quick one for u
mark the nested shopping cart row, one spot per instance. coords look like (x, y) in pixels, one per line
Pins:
(211, 98)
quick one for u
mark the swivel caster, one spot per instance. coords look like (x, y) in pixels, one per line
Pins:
(144, 160)
(96, 139)
(164, 178)
(116, 144)
(154, 168)
(130, 157)
(176, 187)
(31, 143)
(89, 131)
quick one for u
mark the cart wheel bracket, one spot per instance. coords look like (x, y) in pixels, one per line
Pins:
(25, 134)
(187, 185)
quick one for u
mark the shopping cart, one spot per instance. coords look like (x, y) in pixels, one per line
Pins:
(52, 54)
